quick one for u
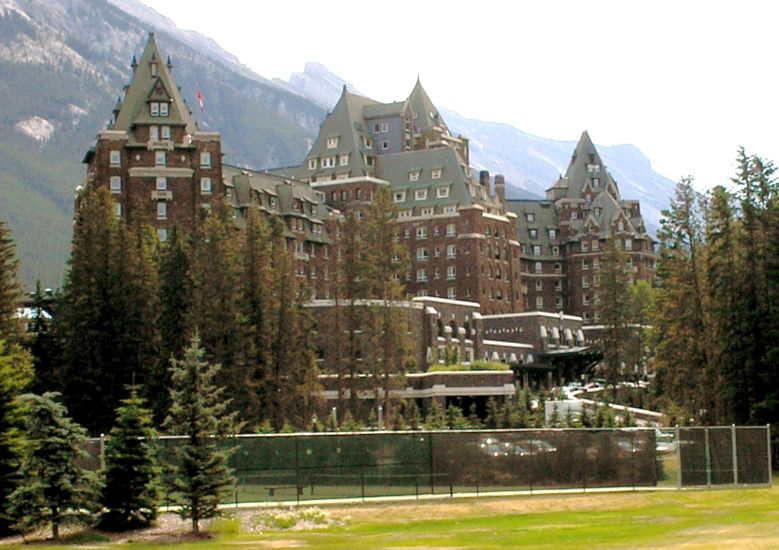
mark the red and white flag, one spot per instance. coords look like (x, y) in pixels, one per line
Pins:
(199, 97)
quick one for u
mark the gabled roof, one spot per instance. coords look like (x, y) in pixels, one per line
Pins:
(134, 108)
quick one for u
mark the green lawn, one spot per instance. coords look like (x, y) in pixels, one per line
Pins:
(732, 518)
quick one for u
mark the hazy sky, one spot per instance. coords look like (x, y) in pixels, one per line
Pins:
(686, 82)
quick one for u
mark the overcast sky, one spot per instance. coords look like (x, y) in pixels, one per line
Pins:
(686, 82)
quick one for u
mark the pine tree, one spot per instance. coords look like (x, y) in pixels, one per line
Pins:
(44, 345)
(54, 488)
(10, 291)
(215, 311)
(613, 302)
(16, 374)
(493, 413)
(131, 494)
(175, 330)
(199, 411)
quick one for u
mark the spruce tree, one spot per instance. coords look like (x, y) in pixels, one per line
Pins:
(199, 412)
(131, 494)
(16, 374)
(54, 488)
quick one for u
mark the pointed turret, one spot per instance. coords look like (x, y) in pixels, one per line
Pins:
(423, 111)
(153, 97)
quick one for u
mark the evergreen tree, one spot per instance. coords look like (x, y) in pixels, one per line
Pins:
(199, 411)
(493, 413)
(175, 330)
(436, 417)
(44, 345)
(131, 494)
(215, 310)
(16, 374)
(109, 313)
(54, 488)
(613, 302)
(10, 291)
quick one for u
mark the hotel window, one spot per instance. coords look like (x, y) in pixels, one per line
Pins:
(595, 183)
(628, 244)
(442, 192)
(421, 274)
(585, 282)
(421, 233)
(558, 285)
(162, 234)
(533, 233)
(585, 246)
(399, 196)
(420, 194)
(116, 184)
(451, 230)
(154, 108)
(166, 132)
(596, 244)
(552, 233)
(312, 164)
(451, 250)
(343, 160)
(539, 267)
(384, 127)
(328, 162)
(585, 265)
(413, 175)
(116, 158)
(451, 273)
(205, 187)
(530, 217)
(620, 226)
(160, 158)
(427, 211)
(450, 209)
(437, 273)
(536, 250)
(404, 214)
(118, 209)
(539, 285)
(332, 142)
(154, 133)
(574, 215)
(451, 293)
(539, 302)
(593, 168)
(585, 300)
(162, 210)
(376, 128)
(205, 160)
(422, 254)
(435, 173)
(163, 109)
(162, 183)
(555, 250)
(596, 263)
(558, 303)
(153, 69)
(558, 268)
(384, 145)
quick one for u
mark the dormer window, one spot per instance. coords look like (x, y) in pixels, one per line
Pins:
(533, 233)
(413, 175)
(312, 164)
(332, 142)
(442, 192)
(163, 109)
(530, 217)
(154, 108)
(620, 226)
(399, 196)
(593, 168)
(595, 183)
(343, 160)
(154, 69)
(328, 162)
(384, 145)
(384, 127)
(420, 194)
(435, 173)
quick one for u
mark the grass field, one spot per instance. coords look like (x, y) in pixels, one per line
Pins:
(728, 518)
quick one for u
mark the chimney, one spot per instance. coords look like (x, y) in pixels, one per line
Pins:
(484, 178)
(500, 188)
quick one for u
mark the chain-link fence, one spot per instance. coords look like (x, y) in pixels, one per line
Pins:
(306, 467)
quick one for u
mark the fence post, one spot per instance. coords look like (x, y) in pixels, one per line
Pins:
(734, 454)
(770, 454)
(707, 456)
(679, 457)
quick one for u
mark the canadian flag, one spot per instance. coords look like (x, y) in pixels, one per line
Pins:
(199, 97)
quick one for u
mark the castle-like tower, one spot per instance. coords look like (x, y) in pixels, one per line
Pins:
(159, 167)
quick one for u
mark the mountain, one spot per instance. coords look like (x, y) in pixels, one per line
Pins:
(59, 83)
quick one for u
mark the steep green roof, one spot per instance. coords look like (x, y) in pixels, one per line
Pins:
(134, 107)
(425, 113)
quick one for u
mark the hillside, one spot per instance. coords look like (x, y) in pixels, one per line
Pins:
(58, 86)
